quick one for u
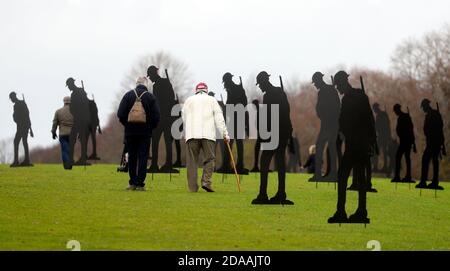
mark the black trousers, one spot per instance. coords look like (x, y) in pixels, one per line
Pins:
(156, 134)
(355, 157)
(21, 134)
(431, 152)
(404, 149)
(138, 149)
(266, 158)
(81, 130)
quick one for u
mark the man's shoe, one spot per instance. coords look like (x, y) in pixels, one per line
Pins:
(14, 164)
(254, 169)
(408, 180)
(315, 178)
(435, 185)
(168, 169)
(177, 164)
(153, 169)
(338, 217)
(140, 188)
(207, 188)
(131, 187)
(93, 157)
(242, 171)
(422, 184)
(353, 187)
(359, 217)
(280, 198)
(261, 199)
(396, 180)
(81, 163)
(372, 190)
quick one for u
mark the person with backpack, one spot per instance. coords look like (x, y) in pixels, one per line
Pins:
(139, 114)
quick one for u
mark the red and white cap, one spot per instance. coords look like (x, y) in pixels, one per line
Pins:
(201, 87)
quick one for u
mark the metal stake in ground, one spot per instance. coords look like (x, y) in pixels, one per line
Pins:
(234, 166)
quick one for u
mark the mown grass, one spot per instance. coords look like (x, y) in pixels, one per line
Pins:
(43, 207)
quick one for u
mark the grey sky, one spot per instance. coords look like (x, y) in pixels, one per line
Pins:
(44, 42)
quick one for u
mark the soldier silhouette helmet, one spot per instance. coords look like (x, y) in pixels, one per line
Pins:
(226, 77)
(425, 103)
(211, 93)
(262, 77)
(70, 81)
(317, 77)
(12, 96)
(340, 77)
(152, 70)
(397, 108)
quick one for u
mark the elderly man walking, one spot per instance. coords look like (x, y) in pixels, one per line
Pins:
(64, 120)
(201, 116)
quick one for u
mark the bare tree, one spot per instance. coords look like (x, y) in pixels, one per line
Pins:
(178, 72)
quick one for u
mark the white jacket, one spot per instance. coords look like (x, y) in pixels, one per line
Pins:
(201, 116)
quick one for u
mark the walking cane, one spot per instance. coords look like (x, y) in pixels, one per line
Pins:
(234, 166)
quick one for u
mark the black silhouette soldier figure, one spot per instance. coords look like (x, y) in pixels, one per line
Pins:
(258, 139)
(80, 110)
(383, 128)
(219, 141)
(235, 96)
(274, 96)
(327, 109)
(163, 91)
(21, 117)
(294, 158)
(178, 163)
(405, 133)
(435, 145)
(356, 124)
(94, 126)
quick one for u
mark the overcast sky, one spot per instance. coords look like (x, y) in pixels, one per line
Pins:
(43, 42)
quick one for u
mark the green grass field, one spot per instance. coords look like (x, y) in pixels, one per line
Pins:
(43, 207)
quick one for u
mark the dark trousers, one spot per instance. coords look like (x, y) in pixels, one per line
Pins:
(355, 158)
(404, 149)
(156, 134)
(138, 148)
(256, 154)
(21, 134)
(65, 149)
(431, 153)
(80, 130)
(240, 154)
(266, 158)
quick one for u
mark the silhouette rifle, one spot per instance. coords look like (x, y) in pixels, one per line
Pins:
(240, 80)
(332, 80)
(375, 143)
(31, 129)
(443, 149)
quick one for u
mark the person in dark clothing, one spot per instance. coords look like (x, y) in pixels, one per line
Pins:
(310, 164)
(163, 92)
(435, 145)
(327, 109)
(274, 96)
(21, 117)
(94, 126)
(137, 135)
(405, 133)
(80, 110)
(356, 123)
(235, 96)
(383, 128)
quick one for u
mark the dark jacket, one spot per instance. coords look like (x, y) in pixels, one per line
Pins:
(163, 91)
(405, 128)
(151, 108)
